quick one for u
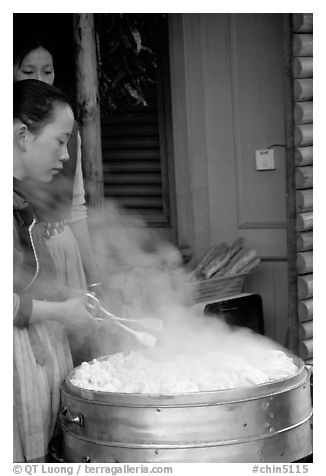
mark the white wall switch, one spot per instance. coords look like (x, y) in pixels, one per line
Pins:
(265, 159)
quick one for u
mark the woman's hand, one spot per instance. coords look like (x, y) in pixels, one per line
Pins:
(65, 293)
(72, 313)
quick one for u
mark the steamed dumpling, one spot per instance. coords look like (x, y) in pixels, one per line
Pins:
(132, 373)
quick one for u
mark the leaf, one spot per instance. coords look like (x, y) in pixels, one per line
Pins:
(137, 38)
(112, 47)
(127, 61)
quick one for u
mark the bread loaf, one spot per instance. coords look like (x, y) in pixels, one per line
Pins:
(218, 250)
(240, 261)
(215, 264)
(251, 265)
(220, 261)
(236, 246)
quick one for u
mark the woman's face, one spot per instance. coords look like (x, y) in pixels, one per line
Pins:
(37, 64)
(46, 151)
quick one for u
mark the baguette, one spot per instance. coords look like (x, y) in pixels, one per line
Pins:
(234, 251)
(237, 256)
(251, 265)
(217, 250)
(221, 261)
(242, 260)
(215, 264)
(236, 246)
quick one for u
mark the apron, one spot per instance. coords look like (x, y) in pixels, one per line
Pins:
(41, 361)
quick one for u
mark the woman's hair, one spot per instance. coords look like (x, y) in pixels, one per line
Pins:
(22, 46)
(35, 102)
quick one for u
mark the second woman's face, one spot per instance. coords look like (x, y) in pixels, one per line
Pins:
(37, 64)
(47, 150)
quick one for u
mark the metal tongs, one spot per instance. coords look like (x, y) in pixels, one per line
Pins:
(100, 314)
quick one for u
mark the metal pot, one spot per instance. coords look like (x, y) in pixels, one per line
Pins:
(265, 423)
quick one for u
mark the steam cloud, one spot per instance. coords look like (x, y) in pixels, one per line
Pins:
(145, 277)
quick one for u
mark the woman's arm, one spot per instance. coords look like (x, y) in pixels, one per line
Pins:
(72, 313)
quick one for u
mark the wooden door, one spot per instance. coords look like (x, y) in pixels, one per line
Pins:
(227, 86)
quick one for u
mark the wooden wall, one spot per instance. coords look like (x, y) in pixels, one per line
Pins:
(227, 102)
(302, 69)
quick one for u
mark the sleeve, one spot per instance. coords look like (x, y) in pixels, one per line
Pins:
(79, 209)
(22, 305)
(22, 310)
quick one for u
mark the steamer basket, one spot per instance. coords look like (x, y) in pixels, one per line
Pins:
(215, 288)
(266, 423)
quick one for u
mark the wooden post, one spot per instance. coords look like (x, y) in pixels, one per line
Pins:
(304, 262)
(303, 112)
(306, 330)
(303, 135)
(303, 22)
(304, 155)
(304, 177)
(302, 45)
(305, 241)
(88, 109)
(305, 310)
(306, 349)
(304, 200)
(305, 286)
(304, 221)
(302, 66)
(303, 89)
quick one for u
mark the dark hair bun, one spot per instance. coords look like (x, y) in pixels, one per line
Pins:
(34, 102)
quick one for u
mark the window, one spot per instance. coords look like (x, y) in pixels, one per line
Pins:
(136, 148)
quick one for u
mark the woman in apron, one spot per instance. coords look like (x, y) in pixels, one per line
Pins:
(43, 308)
(60, 205)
